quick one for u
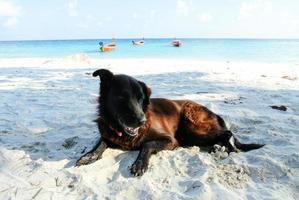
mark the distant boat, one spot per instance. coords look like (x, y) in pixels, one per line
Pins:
(107, 47)
(176, 43)
(138, 43)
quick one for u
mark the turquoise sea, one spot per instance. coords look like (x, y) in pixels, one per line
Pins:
(256, 50)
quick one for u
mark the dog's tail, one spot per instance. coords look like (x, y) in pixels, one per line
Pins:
(237, 145)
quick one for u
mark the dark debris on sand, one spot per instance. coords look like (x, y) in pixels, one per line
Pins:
(282, 107)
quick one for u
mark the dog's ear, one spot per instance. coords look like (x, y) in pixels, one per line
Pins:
(105, 75)
(147, 93)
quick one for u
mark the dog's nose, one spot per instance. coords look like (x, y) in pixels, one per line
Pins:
(142, 121)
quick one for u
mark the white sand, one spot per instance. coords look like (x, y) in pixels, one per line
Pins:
(46, 112)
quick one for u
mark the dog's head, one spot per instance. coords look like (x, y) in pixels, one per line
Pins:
(123, 101)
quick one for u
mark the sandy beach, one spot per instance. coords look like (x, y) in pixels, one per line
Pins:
(47, 108)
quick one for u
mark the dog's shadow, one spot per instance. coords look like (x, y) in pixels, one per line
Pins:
(60, 124)
(53, 121)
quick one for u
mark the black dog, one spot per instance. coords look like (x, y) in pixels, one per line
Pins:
(130, 120)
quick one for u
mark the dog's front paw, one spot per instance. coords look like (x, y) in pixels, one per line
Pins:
(139, 167)
(87, 159)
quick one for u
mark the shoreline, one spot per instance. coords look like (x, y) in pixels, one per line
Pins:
(84, 61)
(264, 74)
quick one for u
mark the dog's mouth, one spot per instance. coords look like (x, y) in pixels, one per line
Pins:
(126, 129)
(131, 131)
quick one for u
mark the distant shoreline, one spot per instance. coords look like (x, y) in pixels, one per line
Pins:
(163, 38)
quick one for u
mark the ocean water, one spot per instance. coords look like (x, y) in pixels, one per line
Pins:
(256, 50)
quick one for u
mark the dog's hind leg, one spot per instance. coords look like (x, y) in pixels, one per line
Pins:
(226, 139)
(141, 164)
(94, 154)
(201, 127)
(231, 143)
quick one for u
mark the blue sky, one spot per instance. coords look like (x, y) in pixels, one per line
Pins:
(72, 19)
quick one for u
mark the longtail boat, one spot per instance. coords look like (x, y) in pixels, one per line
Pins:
(138, 43)
(107, 47)
(176, 43)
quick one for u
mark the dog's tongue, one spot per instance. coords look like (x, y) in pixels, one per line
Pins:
(119, 133)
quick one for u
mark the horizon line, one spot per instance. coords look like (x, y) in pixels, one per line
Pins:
(149, 38)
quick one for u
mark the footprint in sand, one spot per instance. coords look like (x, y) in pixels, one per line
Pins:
(234, 101)
(35, 147)
(70, 142)
(233, 176)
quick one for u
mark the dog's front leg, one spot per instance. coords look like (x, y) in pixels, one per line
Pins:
(94, 154)
(141, 164)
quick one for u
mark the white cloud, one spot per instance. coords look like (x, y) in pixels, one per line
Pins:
(83, 25)
(153, 13)
(88, 21)
(72, 8)
(8, 9)
(134, 15)
(99, 23)
(205, 17)
(254, 7)
(266, 19)
(11, 22)
(182, 7)
(295, 22)
(10, 12)
(90, 17)
(108, 19)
